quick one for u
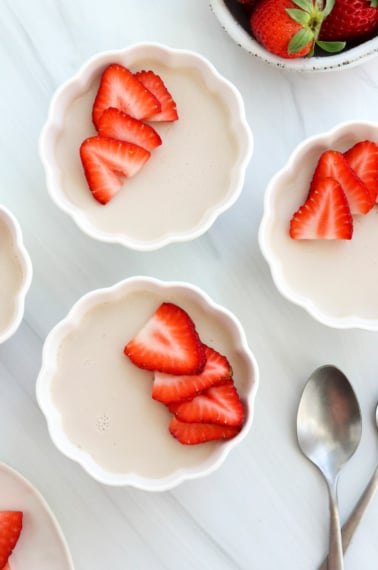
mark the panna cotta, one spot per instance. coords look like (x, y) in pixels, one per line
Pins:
(100, 403)
(15, 274)
(196, 173)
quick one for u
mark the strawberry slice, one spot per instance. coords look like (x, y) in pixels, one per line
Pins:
(363, 159)
(333, 164)
(324, 215)
(217, 405)
(10, 529)
(168, 343)
(106, 161)
(169, 388)
(116, 124)
(121, 89)
(155, 84)
(194, 433)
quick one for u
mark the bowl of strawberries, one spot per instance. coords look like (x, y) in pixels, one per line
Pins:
(127, 155)
(303, 35)
(319, 231)
(147, 383)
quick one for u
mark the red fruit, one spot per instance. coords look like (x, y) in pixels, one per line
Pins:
(168, 343)
(274, 28)
(363, 158)
(324, 215)
(216, 405)
(193, 433)
(168, 388)
(115, 124)
(106, 160)
(351, 21)
(10, 529)
(155, 84)
(120, 88)
(333, 164)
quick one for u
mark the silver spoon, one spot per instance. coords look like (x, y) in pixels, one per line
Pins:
(329, 431)
(353, 521)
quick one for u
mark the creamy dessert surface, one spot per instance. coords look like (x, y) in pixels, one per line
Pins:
(105, 401)
(12, 276)
(338, 276)
(184, 177)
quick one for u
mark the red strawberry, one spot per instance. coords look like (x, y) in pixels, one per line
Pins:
(217, 405)
(155, 84)
(193, 433)
(363, 158)
(333, 164)
(10, 529)
(351, 21)
(290, 28)
(120, 88)
(115, 124)
(168, 388)
(325, 214)
(106, 160)
(168, 343)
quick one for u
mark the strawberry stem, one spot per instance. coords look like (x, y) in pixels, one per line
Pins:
(310, 14)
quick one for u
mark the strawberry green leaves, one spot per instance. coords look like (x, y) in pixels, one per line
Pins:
(331, 47)
(300, 40)
(310, 15)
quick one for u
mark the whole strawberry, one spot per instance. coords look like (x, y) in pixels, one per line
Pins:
(351, 21)
(290, 28)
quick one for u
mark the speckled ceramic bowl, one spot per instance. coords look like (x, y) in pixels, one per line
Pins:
(234, 20)
(196, 174)
(98, 405)
(334, 280)
(16, 274)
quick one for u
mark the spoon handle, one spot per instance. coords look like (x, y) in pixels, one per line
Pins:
(335, 556)
(353, 521)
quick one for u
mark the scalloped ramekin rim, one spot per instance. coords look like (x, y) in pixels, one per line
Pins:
(27, 273)
(347, 321)
(240, 128)
(53, 417)
(335, 62)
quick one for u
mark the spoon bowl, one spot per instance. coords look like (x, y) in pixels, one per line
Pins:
(329, 431)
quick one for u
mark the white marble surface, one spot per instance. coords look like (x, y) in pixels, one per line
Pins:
(266, 507)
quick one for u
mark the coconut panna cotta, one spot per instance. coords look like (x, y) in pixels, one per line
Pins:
(184, 183)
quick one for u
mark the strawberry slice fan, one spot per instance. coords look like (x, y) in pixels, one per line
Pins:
(123, 103)
(343, 185)
(192, 379)
(10, 530)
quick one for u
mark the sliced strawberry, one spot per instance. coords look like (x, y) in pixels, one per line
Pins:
(155, 84)
(168, 343)
(217, 405)
(333, 164)
(10, 529)
(169, 388)
(324, 215)
(121, 89)
(106, 161)
(363, 159)
(116, 124)
(193, 433)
